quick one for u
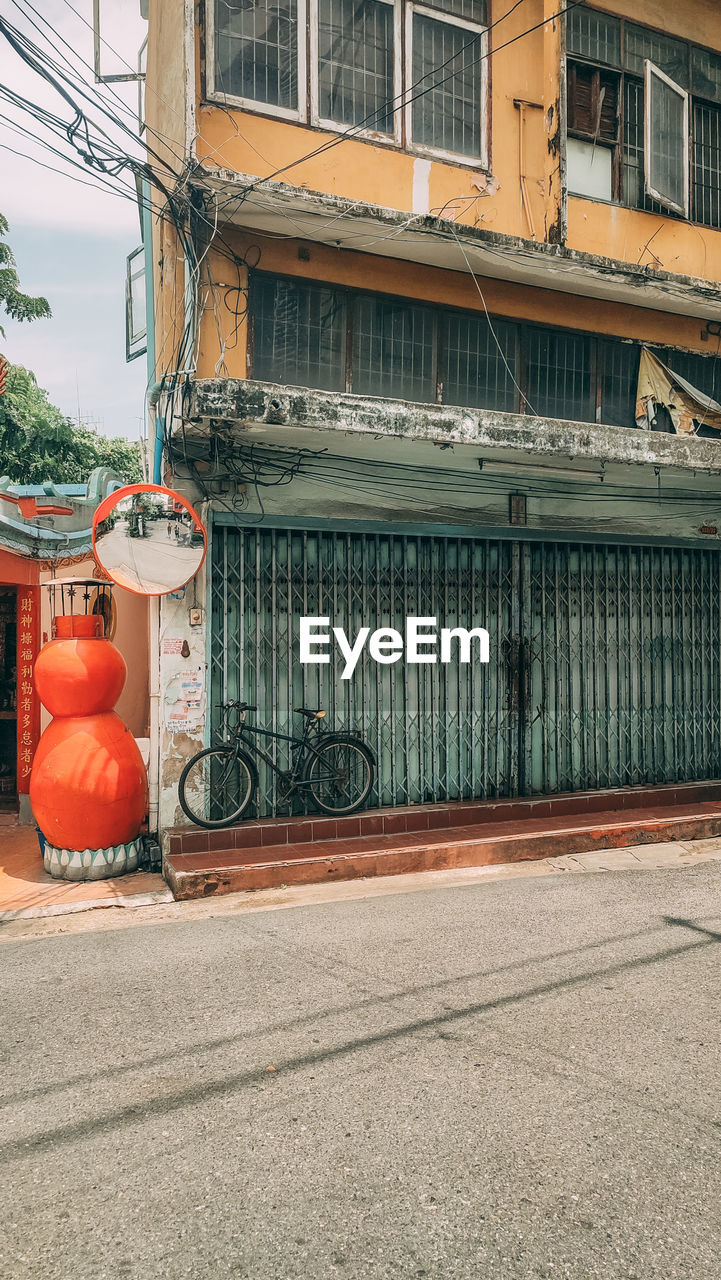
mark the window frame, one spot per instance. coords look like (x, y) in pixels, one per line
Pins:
(136, 340)
(649, 71)
(298, 114)
(308, 114)
(697, 99)
(437, 15)
(333, 126)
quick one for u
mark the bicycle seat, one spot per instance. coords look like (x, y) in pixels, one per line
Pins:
(240, 706)
(311, 715)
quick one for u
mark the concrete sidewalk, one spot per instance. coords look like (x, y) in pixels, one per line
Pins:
(112, 910)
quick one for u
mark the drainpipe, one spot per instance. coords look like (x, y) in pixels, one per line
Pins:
(153, 396)
(154, 388)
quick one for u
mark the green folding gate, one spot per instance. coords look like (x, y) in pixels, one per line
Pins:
(605, 662)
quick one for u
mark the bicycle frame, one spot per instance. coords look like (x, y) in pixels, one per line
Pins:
(303, 744)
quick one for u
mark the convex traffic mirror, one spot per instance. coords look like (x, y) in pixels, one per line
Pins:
(148, 539)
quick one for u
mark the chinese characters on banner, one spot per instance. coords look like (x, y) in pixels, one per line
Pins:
(28, 705)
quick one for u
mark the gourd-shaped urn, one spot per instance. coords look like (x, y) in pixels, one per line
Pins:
(88, 786)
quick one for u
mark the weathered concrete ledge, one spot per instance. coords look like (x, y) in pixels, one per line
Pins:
(220, 402)
(265, 205)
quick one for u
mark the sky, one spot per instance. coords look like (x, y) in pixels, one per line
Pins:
(71, 240)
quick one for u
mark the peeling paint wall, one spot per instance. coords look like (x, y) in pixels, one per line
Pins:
(178, 745)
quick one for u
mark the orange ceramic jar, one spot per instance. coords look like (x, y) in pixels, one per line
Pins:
(88, 787)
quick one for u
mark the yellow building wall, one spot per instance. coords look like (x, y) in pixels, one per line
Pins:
(253, 143)
(651, 239)
(519, 195)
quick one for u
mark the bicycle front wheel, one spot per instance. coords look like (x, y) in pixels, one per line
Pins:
(216, 786)
(340, 776)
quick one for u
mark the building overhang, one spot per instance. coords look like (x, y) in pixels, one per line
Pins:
(277, 208)
(244, 410)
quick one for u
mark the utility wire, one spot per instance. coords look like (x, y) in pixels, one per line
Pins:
(404, 101)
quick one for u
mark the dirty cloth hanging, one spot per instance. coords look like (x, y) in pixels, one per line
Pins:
(664, 395)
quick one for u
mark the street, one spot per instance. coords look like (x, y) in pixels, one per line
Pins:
(514, 1079)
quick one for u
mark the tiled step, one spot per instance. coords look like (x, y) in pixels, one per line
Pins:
(433, 817)
(200, 874)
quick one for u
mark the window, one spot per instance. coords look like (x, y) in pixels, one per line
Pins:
(135, 314)
(393, 349)
(593, 131)
(356, 64)
(258, 52)
(666, 140)
(559, 375)
(653, 104)
(298, 334)
(344, 58)
(333, 338)
(447, 72)
(481, 370)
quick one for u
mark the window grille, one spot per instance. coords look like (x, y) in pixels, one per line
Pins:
(446, 108)
(394, 349)
(476, 373)
(593, 35)
(298, 334)
(706, 73)
(707, 164)
(470, 10)
(619, 377)
(559, 375)
(702, 372)
(670, 56)
(256, 50)
(633, 180)
(356, 63)
(304, 334)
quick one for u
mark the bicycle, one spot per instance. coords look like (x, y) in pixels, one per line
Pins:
(218, 784)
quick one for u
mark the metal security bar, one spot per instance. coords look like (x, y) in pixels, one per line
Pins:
(355, 63)
(605, 666)
(438, 731)
(625, 676)
(326, 336)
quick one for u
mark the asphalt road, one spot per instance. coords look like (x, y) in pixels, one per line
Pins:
(518, 1079)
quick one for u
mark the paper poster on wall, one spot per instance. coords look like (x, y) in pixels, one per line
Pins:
(184, 701)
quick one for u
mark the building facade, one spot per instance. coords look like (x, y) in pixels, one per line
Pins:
(435, 328)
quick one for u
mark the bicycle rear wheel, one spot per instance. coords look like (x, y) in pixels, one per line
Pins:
(216, 786)
(340, 776)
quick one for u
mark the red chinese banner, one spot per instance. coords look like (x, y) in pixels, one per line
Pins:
(28, 703)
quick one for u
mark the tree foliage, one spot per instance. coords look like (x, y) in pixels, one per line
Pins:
(13, 302)
(38, 443)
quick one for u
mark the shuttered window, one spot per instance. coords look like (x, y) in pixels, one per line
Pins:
(655, 102)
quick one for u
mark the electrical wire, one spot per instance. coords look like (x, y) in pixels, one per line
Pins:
(403, 101)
